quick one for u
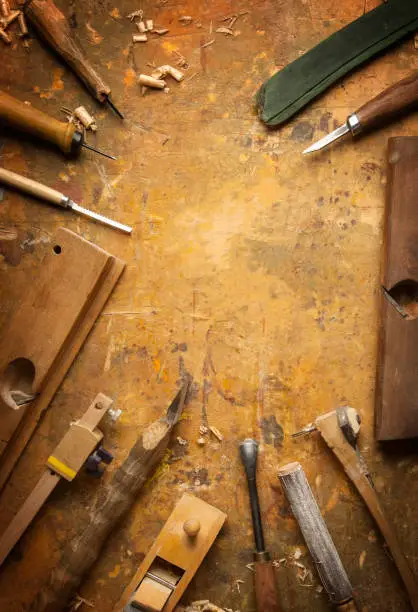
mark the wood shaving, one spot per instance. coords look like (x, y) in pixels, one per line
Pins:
(139, 38)
(78, 602)
(182, 441)
(216, 433)
(280, 562)
(186, 19)
(210, 42)
(201, 441)
(181, 60)
(237, 584)
(203, 429)
(135, 14)
(250, 566)
(161, 31)
(226, 31)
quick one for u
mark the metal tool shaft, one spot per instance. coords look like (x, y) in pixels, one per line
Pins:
(249, 450)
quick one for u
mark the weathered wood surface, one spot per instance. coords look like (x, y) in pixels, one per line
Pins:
(250, 266)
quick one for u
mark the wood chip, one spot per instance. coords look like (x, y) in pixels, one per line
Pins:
(161, 31)
(216, 433)
(178, 75)
(210, 42)
(150, 25)
(141, 26)
(186, 19)
(182, 441)
(5, 37)
(149, 81)
(139, 38)
(226, 31)
(201, 441)
(135, 14)
(203, 429)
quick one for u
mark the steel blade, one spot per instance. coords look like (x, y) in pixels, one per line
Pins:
(100, 218)
(326, 140)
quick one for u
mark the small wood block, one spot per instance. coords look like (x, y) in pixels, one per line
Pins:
(80, 440)
(175, 547)
(396, 412)
(151, 595)
(47, 329)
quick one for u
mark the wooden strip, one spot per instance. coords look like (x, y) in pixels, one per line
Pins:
(27, 513)
(86, 260)
(396, 410)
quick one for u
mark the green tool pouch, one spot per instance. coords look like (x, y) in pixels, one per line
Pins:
(285, 93)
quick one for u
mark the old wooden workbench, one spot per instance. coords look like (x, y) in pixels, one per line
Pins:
(252, 267)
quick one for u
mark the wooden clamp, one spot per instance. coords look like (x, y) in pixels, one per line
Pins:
(174, 557)
(355, 469)
(65, 462)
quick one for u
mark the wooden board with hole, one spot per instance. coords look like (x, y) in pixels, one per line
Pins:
(397, 368)
(174, 557)
(40, 340)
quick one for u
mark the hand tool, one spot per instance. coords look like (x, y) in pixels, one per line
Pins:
(115, 500)
(301, 81)
(174, 557)
(54, 28)
(22, 183)
(265, 583)
(390, 103)
(65, 462)
(317, 537)
(28, 119)
(340, 430)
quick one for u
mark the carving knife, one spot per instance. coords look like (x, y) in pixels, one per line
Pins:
(394, 101)
(22, 183)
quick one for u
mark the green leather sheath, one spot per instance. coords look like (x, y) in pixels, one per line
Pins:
(297, 84)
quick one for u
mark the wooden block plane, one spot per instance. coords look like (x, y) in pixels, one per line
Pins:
(174, 557)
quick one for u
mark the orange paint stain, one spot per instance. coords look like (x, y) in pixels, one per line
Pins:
(58, 83)
(130, 78)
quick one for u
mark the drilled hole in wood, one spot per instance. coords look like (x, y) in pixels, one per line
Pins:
(16, 383)
(405, 295)
(57, 249)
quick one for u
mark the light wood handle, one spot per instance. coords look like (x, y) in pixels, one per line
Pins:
(33, 121)
(265, 587)
(327, 424)
(32, 187)
(53, 26)
(391, 102)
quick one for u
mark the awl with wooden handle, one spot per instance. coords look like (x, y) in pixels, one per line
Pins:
(55, 29)
(265, 583)
(26, 118)
(317, 537)
(22, 183)
(392, 102)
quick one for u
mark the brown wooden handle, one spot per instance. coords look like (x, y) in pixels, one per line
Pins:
(265, 587)
(28, 119)
(53, 26)
(22, 183)
(391, 102)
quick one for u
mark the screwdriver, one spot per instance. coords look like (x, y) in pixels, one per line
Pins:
(28, 119)
(393, 101)
(265, 584)
(54, 28)
(26, 185)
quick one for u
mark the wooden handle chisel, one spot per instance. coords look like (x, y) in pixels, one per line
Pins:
(42, 192)
(390, 103)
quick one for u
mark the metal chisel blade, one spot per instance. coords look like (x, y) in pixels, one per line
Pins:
(326, 140)
(100, 218)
